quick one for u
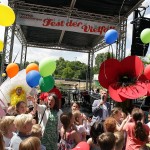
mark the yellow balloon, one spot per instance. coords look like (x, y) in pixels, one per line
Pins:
(1, 45)
(3, 74)
(7, 15)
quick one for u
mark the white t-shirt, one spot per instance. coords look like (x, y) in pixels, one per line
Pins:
(81, 128)
(7, 141)
(41, 109)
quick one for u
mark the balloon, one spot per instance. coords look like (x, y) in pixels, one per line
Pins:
(145, 36)
(7, 15)
(3, 74)
(47, 67)
(32, 78)
(12, 69)
(82, 146)
(111, 36)
(46, 83)
(1, 45)
(32, 66)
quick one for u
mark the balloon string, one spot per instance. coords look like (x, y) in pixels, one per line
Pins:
(141, 65)
(112, 51)
(105, 71)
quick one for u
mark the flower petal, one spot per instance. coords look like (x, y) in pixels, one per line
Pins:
(114, 94)
(142, 78)
(108, 73)
(132, 66)
(134, 91)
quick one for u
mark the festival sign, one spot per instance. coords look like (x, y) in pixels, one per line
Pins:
(63, 23)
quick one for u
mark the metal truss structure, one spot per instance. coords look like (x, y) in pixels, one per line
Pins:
(19, 5)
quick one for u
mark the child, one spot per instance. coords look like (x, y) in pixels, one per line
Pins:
(37, 132)
(7, 127)
(119, 140)
(23, 124)
(78, 117)
(31, 143)
(69, 136)
(106, 141)
(96, 130)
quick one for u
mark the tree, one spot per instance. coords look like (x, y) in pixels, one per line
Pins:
(100, 58)
(70, 69)
(67, 73)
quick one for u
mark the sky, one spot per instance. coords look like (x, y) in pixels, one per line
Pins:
(71, 56)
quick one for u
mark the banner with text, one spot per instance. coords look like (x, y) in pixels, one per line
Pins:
(63, 23)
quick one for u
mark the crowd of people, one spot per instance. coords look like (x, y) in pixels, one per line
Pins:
(46, 127)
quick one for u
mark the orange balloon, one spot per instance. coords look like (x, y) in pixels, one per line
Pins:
(12, 69)
(31, 67)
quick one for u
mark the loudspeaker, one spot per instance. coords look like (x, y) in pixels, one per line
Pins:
(137, 47)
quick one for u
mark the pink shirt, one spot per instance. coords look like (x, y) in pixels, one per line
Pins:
(133, 143)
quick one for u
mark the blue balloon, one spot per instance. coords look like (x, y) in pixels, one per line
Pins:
(32, 78)
(111, 36)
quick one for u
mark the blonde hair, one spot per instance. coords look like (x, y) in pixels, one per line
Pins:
(22, 120)
(5, 124)
(119, 140)
(36, 130)
(31, 143)
(115, 111)
(76, 115)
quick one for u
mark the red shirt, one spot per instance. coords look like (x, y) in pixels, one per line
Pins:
(133, 143)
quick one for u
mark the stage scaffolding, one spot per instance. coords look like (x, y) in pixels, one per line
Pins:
(99, 43)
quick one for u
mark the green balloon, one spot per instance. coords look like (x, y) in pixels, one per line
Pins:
(47, 67)
(145, 36)
(46, 83)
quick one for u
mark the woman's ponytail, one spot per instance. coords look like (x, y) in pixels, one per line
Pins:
(139, 130)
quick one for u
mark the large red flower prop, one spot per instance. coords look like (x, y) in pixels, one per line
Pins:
(124, 79)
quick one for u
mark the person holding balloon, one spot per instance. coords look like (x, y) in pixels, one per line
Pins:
(49, 119)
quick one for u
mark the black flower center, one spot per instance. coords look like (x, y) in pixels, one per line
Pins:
(126, 80)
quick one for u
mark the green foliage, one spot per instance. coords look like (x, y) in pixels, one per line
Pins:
(100, 58)
(70, 69)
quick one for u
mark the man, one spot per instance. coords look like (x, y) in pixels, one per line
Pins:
(101, 108)
(75, 93)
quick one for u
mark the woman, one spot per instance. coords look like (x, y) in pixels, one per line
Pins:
(49, 119)
(137, 131)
